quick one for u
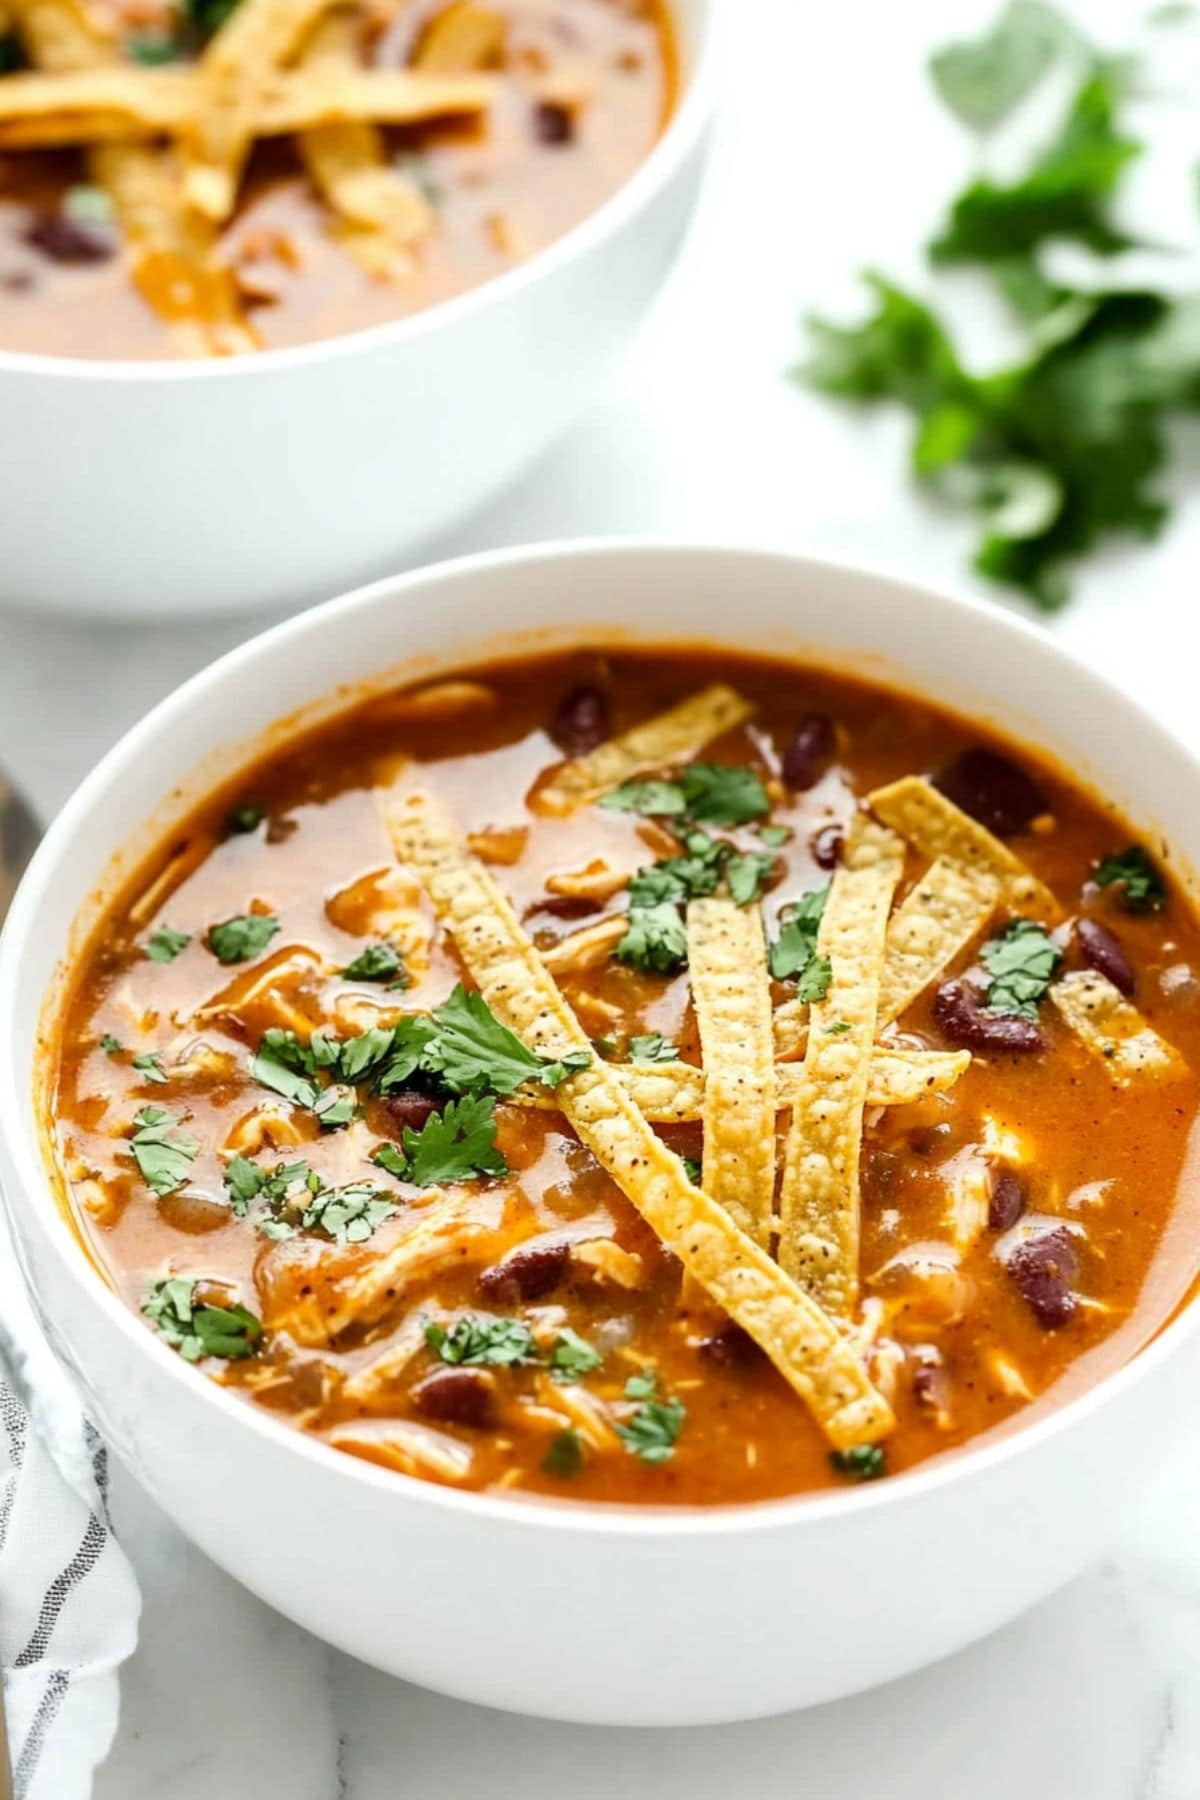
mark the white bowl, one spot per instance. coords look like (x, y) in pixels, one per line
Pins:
(270, 480)
(619, 1615)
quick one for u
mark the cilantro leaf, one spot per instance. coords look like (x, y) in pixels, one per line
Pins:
(564, 1454)
(164, 1161)
(335, 1107)
(231, 1332)
(746, 873)
(642, 1386)
(652, 1431)
(795, 947)
(553, 1074)
(717, 795)
(1021, 961)
(455, 1145)
(164, 945)
(243, 1182)
(652, 1047)
(656, 940)
(654, 799)
(111, 1045)
(473, 1051)
(812, 983)
(349, 1214)
(149, 1064)
(237, 940)
(1140, 887)
(985, 79)
(693, 1168)
(286, 1066)
(674, 879)
(498, 1343)
(386, 1156)
(379, 962)
(865, 1462)
(411, 1036)
(572, 1357)
(207, 16)
(775, 836)
(359, 1055)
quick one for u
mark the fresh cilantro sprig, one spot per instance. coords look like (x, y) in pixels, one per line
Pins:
(241, 938)
(231, 1332)
(164, 1158)
(496, 1343)
(1139, 886)
(458, 1144)
(164, 945)
(1060, 449)
(709, 793)
(652, 1430)
(793, 956)
(655, 939)
(1021, 962)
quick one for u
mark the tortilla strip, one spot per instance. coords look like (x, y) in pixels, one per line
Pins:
(948, 907)
(669, 737)
(731, 995)
(673, 1093)
(382, 210)
(462, 36)
(98, 105)
(803, 1343)
(1112, 1028)
(172, 270)
(819, 1199)
(939, 829)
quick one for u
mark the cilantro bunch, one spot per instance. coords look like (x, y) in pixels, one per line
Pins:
(1061, 448)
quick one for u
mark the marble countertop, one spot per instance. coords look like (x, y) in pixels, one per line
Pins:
(828, 152)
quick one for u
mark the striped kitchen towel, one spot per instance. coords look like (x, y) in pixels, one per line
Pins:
(69, 1602)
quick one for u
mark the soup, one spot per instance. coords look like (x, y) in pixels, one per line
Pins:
(640, 1077)
(220, 176)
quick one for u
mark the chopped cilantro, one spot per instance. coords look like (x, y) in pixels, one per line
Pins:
(243, 1182)
(360, 1055)
(984, 79)
(245, 818)
(195, 1331)
(838, 1028)
(164, 945)
(335, 1107)
(775, 835)
(207, 16)
(1140, 887)
(564, 1454)
(379, 962)
(237, 940)
(110, 1045)
(411, 1036)
(717, 795)
(285, 1065)
(865, 1462)
(793, 955)
(386, 1156)
(149, 1064)
(652, 1430)
(653, 1047)
(654, 799)
(151, 49)
(501, 1343)
(693, 1169)
(458, 1144)
(572, 1357)
(349, 1214)
(1020, 961)
(164, 1161)
(472, 1052)
(675, 879)
(655, 941)
(745, 873)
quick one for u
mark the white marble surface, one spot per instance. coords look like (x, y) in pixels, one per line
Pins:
(828, 154)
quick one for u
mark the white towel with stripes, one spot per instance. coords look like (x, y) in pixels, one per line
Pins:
(69, 1602)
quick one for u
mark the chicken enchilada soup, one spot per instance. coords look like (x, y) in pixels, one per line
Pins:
(640, 1077)
(207, 177)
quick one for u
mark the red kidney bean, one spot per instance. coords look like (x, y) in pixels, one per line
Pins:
(582, 721)
(553, 123)
(458, 1396)
(1007, 1202)
(529, 1272)
(730, 1348)
(1101, 950)
(409, 1107)
(1043, 1269)
(825, 846)
(965, 1020)
(993, 790)
(67, 240)
(812, 746)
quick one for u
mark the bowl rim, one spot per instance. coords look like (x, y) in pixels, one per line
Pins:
(537, 1512)
(684, 130)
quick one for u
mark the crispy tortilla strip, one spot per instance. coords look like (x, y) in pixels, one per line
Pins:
(172, 247)
(673, 1093)
(939, 829)
(670, 737)
(803, 1343)
(255, 40)
(819, 1199)
(99, 105)
(1112, 1028)
(731, 995)
(948, 907)
(461, 36)
(383, 213)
